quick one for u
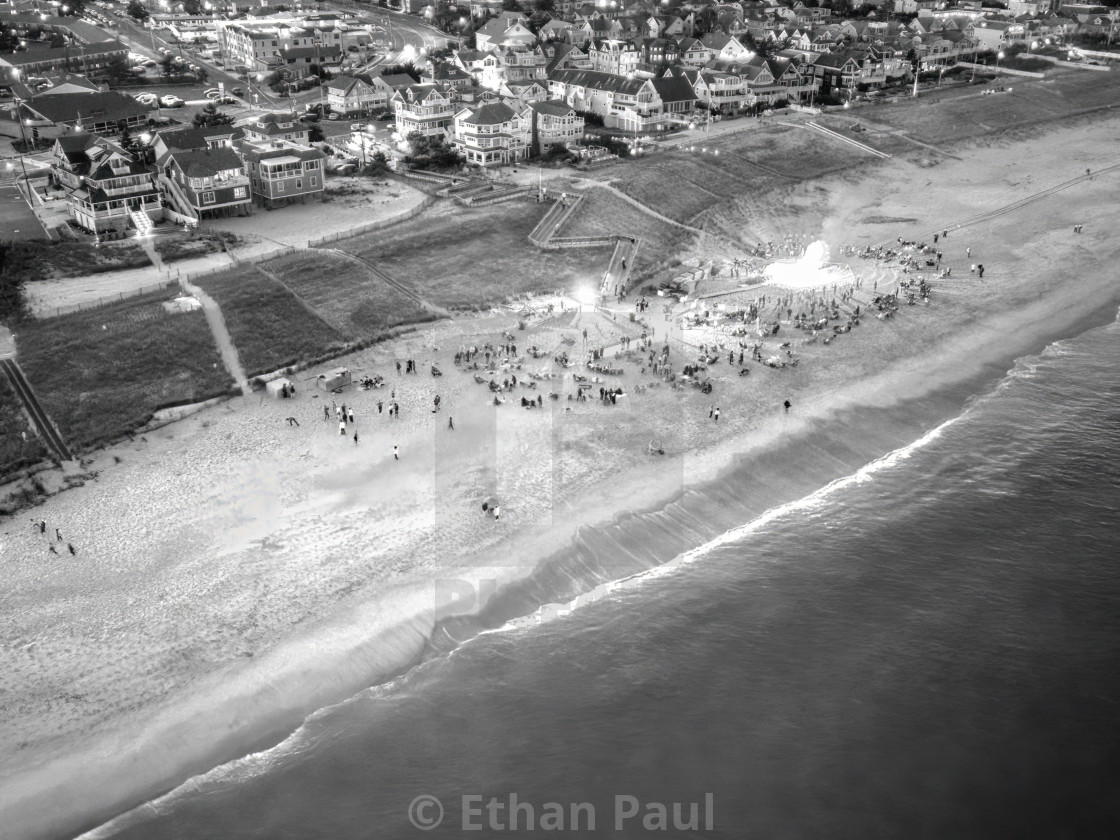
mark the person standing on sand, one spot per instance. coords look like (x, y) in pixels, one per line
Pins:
(355, 438)
(350, 415)
(73, 551)
(326, 413)
(980, 270)
(396, 454)
(42, 526)
(717, 414)
(711, 411)
(58, 535)
(342, 427)
(379, 405)
(788, 405)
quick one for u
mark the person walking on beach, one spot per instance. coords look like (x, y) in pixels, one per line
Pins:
(350, 415)
(42, 526)
(396, 454)
(73, 551)
(450, 422)
(379, 405)
(355, 438)
(398, 368)
(342, 427)
(980, 270)
(711, 411)
(51, 548)
(788, 405)
(968, 252)
(58, 535)
(716, 418)
(326, 413)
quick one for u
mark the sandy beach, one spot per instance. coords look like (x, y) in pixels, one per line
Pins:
(235, 572)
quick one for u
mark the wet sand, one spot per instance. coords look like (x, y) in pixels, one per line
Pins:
(236, 573)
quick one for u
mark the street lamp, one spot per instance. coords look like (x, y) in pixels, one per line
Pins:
(999, 55)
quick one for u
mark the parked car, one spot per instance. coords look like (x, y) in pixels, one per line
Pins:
(146, 98)
(171, 101)
(226, 100)
(238, 91)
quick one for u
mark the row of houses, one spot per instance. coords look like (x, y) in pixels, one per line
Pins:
(186, 173)
(52, 44)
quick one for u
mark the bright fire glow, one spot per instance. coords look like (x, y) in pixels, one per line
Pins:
(811, 270)
(585, 295)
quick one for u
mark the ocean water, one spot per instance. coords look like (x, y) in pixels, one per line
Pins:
(928, 647)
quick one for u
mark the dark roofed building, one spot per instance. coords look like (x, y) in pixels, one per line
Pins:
(101, 113)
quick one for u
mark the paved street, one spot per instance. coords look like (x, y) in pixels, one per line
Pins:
(16, 219)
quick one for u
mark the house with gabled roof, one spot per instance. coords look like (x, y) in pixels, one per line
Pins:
(694, 53)
(359, 94)
(725, 47)
(614, 56)
(425, 109)
(631, 104)
(206, 183)
(504, 33)
(696, 79)
(565, 57)
(521, 94)
(107, 187)
(658, 53)
(677, 96)
(445, 75)
(554, 123)
(492, 135)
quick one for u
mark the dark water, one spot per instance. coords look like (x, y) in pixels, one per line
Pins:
(929, 649)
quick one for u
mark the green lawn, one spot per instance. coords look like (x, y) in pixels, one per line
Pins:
(181, 246)
(270, 326)
(458, 257)
(42, 261)
(102, 372)
(346, 295)
(14, 452)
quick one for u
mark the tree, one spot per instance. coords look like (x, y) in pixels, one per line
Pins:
(406, 69)
(192, 7)
(127, 142)
(202, 74)
(117, 69)
(511, 6)
(137, 11)
(73, 8)
(210, 116)
(167, 66)
(315, 134)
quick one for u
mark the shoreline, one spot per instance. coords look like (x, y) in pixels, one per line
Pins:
(948, 398)
(586, 506)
